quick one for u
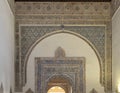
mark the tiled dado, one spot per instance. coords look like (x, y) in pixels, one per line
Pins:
(94, 16)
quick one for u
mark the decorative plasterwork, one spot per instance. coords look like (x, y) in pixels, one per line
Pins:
(63, 8)
(77, 13)
(94, 35)
(59, 53)
(70, 68)
(30, 34)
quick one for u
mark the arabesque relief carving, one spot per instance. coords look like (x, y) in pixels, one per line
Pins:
(90, 20)
(69, 68)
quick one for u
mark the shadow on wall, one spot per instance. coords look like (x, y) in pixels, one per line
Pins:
(1, 88)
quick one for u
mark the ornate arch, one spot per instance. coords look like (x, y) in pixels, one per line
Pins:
(68, 32)
(58, 69)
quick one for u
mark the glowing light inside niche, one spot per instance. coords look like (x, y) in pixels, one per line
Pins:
(56, 89)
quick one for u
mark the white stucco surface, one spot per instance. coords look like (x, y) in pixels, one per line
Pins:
(6, 46)
(116, 49)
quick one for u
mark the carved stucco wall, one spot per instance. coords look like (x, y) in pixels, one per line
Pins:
(33, 17)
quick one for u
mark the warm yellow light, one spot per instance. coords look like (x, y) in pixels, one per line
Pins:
(56, 89)
(118, 88)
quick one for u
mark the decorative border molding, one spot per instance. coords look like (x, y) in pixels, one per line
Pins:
(102, 76)
(70, 68)
(79, 31)
(102, 16)
(63, 8)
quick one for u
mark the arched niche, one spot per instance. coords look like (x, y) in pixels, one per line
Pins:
(71, 33)
(61, 82)
(74, 46)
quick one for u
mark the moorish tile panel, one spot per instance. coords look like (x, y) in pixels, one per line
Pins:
(70, 68)
(30, 34)
(26, 14)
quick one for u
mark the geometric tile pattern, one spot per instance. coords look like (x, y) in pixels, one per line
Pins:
(71, 68)
(62, 8)
(30, 34)
(67, 13)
